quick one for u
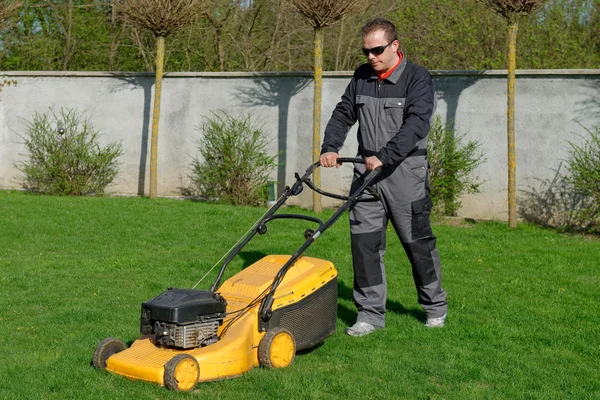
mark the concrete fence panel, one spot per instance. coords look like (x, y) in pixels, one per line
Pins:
(553, 107)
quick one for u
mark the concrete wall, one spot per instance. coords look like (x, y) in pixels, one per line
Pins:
(549, 106)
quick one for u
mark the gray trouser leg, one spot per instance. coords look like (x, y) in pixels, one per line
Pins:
(367, 226)
(425, 261)
(405, 195)
(405, 202)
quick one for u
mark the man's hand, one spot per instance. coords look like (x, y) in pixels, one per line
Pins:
(329, 160)
(372, 163)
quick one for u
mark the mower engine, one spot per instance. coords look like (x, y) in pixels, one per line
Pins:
(183, 318)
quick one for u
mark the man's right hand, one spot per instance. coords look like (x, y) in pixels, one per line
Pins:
(329, 160)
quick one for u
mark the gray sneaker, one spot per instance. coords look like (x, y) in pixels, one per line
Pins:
(361, 329)
(438, 322)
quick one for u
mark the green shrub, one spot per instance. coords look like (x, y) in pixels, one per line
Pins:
(7, 82)
(234, 166)
(583, 165)
(552, 202)
(452, 163)
(65, 157)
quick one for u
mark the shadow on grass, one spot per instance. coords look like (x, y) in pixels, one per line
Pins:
(349, 315)
(310, 349)
(397, 308)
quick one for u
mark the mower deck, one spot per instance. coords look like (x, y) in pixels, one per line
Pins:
(237, 349)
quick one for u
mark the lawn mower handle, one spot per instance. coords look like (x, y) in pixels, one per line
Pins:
(340, 160)
(260, 227)
(265, 311)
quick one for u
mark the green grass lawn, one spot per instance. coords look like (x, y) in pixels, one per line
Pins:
(524, 305)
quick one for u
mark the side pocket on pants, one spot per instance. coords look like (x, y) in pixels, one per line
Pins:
(420, 226)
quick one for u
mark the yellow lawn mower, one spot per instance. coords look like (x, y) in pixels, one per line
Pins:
(261, 316)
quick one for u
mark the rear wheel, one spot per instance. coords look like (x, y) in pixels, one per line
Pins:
(104, 350)
(277, 348)
(182, 373)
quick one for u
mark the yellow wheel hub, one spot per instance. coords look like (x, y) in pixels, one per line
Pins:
(282, 350)
(186, 374)
(182, 373)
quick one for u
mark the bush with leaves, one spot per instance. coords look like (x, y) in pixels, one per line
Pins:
(570, 201)
(234, 166)
(452, 163)
(583, 165)
(65, 157)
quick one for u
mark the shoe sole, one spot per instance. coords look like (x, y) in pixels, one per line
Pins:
(358, 334)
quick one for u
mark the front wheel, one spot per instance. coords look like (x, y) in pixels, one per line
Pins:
(277, 348)
(104, 350)
(182, 373)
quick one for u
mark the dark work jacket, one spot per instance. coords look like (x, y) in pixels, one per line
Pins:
(394, 115)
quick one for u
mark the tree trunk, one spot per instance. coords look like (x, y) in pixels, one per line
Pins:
(160, 60)
(68, 35)
(318, 87)
(115, 39)
(220, 50)
(512, 161)
(338, 50)
(274, 39)
(140, 44)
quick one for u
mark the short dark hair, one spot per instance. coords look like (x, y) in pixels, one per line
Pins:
(381, 24)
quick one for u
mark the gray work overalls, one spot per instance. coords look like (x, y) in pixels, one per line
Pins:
(394, 117)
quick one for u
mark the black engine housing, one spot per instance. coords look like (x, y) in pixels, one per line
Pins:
(183, 317)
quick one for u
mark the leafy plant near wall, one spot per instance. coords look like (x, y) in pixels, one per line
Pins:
(452, 163)
(234, 165)
(65, 157)
(583, 165)
(570, 201)
(7, 82)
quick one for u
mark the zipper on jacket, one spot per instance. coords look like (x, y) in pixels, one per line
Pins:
(378, 113)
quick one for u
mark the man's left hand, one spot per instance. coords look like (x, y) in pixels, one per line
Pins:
(372, 163)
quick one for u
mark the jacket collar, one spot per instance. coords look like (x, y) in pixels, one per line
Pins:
(393, 78)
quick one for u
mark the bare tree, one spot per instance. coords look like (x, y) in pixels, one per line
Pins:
(7, 9)
(63, 15)
(218, 16)
(511, 10)
(145, 46)
(117, 31)
(161, 17)
(268, 54)
(320, 14)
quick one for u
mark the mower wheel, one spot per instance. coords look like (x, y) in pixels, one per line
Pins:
(104, 350)
(277, 348)
(182, 373)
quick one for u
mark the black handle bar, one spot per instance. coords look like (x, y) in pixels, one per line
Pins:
(265, 311)
(341, 160)
(260, 226)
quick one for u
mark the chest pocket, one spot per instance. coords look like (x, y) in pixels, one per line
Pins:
(367, 111)
(360, 99)
(394, 113)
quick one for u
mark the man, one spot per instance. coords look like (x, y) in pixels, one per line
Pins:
(393, 101)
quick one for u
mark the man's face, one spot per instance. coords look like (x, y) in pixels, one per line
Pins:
(385, 60)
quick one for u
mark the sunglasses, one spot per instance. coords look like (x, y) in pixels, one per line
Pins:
(376, 51)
